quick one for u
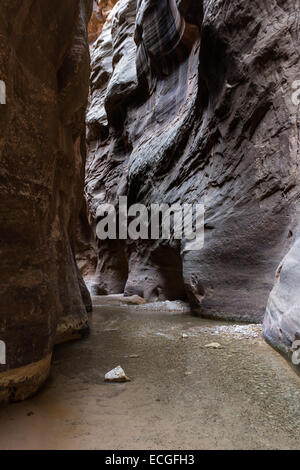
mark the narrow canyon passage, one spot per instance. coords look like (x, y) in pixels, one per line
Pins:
(182, 395)
(149, 219)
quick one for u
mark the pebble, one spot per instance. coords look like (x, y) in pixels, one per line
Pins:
(213, 345)
(116, 375)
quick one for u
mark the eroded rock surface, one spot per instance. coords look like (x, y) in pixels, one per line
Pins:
(191, 102)
(101, 10)
(44, 62)
(282, 317)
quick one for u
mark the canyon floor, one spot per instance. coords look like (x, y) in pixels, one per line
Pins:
(182, 394)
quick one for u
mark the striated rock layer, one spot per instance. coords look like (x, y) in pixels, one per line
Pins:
(44, 62)
(191, 102)
(101, 10)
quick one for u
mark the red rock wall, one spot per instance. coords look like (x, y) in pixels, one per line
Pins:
(101, 10)
(44, 61)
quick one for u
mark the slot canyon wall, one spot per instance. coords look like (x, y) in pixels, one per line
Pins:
(191, 102)
(44, 62)
(101, 10)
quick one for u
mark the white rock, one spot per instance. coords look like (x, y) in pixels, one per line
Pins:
(213, 345)
(174, 307)
(116, 375)
(184, 335)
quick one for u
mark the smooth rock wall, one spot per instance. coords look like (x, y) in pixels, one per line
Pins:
(192, 102)
(44, 61)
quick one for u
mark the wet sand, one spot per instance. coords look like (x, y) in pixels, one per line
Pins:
(183, 395)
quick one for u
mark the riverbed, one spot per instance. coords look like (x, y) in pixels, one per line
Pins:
(237, 394)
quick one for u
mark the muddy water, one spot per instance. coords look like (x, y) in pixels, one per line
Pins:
(183, 395)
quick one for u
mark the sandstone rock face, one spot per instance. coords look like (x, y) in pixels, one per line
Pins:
(101, 10)
(191, 102)
(282, 317)
(44, 62)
